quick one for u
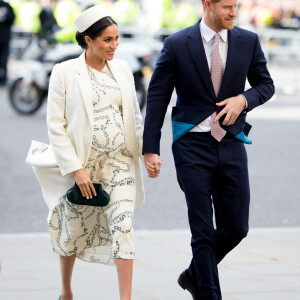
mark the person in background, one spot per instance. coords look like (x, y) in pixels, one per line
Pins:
(27, 16)
(48, 23)
(65, 12)
(208, 65)
(7, 17)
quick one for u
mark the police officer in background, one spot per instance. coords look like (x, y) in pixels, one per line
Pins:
(48, 22)
(6, 20)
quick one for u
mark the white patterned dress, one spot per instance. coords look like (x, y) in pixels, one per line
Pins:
(97, 234)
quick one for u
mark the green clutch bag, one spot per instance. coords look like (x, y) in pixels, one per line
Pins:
(74, 196)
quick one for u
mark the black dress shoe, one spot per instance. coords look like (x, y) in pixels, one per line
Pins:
(185, 282)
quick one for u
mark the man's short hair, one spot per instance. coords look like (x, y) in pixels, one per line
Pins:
(212, 1)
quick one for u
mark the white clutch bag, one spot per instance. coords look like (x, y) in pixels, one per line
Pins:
(41, 155)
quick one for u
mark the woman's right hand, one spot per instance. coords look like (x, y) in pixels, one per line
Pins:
(84, 183)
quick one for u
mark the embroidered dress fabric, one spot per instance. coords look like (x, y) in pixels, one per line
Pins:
(100, 234)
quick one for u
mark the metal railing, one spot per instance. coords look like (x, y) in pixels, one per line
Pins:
(282, 45)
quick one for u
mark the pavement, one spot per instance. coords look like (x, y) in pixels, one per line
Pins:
(265, 266)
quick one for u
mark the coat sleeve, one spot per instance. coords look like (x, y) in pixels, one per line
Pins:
(57, 124)
(139, 128)
(159, 95)
(262, 87)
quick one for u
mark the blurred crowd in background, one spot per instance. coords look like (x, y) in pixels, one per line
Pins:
(270, 13)
(56, 17)
(53, 21)
(40, 16)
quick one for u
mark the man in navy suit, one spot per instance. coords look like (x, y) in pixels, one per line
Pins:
(211, 169)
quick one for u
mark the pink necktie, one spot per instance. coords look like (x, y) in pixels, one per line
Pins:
(216, 76)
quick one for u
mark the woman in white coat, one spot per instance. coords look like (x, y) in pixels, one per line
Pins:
(95, 131)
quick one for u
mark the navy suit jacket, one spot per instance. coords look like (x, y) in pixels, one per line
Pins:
(183, 65)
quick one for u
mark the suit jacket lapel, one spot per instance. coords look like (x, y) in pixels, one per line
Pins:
(196, 49)
(233, 57)
(85, 86)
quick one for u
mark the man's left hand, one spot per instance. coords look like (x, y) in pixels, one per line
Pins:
(233, 107)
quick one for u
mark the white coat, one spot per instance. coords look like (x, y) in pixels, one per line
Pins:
(70, 127)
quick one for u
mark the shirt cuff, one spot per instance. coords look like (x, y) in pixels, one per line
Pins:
(246, 105)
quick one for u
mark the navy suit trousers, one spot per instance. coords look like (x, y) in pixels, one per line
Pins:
(214, 178)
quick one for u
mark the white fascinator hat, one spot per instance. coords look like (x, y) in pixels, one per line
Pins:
(90, 16)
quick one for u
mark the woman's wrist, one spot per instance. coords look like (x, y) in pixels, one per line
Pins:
(77, 171)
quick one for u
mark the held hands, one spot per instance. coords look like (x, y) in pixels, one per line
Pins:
(84, 183)
(233, 107)
(153, 164)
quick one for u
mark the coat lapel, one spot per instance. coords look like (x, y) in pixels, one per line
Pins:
(127, 105)
(85, 86)
(123, 85)
(122, 82)
(233, 57)
(196, 49)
